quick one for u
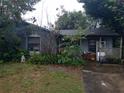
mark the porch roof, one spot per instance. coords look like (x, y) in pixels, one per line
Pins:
(100, 32)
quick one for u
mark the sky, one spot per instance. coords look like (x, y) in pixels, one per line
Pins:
(46, 10)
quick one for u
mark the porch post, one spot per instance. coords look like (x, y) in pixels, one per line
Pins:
(121, 45)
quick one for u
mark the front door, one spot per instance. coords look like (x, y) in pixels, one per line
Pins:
(92, 46)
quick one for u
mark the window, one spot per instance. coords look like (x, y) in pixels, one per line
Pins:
(33, 47)
(34, 43)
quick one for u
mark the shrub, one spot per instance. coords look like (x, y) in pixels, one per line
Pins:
(55, 59)
(1, 61)
(68, 60)
(73, 50)
(43, 59)
(13, 55)
(71, 56)
(112, 60)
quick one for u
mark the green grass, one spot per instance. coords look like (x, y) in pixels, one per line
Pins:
(27, 78)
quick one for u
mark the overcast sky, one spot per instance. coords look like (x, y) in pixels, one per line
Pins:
(46, 9)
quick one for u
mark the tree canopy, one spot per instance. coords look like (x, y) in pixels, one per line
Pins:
(71, 20)
(10, 14)
(108, 12)
(12, 9)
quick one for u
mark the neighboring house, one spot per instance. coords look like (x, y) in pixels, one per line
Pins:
(36, 39)
(98, 41)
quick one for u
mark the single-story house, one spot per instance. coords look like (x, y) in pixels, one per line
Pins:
(35, 38)
(99, 41)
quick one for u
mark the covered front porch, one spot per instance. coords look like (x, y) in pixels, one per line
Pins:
(101, 47)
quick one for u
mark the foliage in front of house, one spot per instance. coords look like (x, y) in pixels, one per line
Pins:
(63, 59)
(10, 46)
(43, 59)
(9, 17)
(13, 55)
(71, 56)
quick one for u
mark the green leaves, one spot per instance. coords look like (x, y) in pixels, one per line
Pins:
(14, 8)
(72, 20)
(11, 13)
(111, 12)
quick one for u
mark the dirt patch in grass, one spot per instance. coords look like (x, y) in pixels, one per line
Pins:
(26, 78)
(104, 78)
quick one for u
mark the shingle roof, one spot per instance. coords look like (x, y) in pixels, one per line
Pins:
(23, 25)
(24, 28)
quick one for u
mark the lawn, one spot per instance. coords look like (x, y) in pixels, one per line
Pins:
(27, 78)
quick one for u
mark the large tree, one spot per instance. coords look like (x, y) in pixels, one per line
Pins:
(14, 8)
(71, 20)
(107, 12)
(10, 14)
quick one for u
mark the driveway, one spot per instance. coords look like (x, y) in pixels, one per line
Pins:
(103, 78)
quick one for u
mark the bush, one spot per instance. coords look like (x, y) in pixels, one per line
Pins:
(71, 56)
(112, 60)
(43, 59)
(55, 59)
(68, 60)
(13, 55)
(73, 51)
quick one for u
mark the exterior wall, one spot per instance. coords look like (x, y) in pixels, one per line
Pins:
(47, 41)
